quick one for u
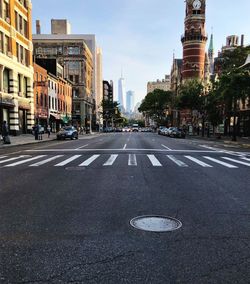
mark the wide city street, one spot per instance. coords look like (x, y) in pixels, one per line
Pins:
(66, 209)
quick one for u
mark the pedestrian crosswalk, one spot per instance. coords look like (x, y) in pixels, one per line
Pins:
(130, 160)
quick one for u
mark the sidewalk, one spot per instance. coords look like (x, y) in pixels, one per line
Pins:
(243, 142)
(25, 139)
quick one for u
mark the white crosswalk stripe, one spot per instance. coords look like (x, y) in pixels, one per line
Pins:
(154, 161)
(25, 161)
(220, 162)
(2, 157)
(236, 161)
(246, 159)
(11, 159)
(64, 163)
(132, 160)
(110, 161)
(204, 165)
(46, 161)
(177, 162)
(89, 161)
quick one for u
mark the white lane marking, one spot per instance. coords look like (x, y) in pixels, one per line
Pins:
(166, 147)
(204, 165)
(68, 161)
(236, 161)
(82, 147)
(132, 160)
(13, 159)
(154, 161)
(111, 160)
(46, 161)
(89, 161)
(125, 146)
(2, 157)
(221, 163)
(176, 161)
(25, 161)
(210, 148)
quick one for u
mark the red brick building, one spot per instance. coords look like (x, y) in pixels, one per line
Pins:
(194, 40)
(40, 95)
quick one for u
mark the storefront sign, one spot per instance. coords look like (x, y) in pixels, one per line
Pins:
(6, 100)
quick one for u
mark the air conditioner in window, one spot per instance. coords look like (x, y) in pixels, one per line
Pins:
(9, 53)
(7, 20)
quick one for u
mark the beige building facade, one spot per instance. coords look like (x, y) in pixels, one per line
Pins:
(16, 66)
(164, 84)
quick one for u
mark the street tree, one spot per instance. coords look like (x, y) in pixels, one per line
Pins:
(156, 104)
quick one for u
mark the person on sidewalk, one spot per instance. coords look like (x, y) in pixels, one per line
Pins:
(5, 133)
(48, 130)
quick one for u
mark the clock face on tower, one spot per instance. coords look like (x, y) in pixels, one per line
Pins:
(197, 4)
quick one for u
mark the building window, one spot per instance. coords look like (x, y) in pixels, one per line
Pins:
(6, 11)
(45, 100)
(19, 83)
(41, 77)
(25, 86)
(16, 21)
(1, 42)
(73, 50)
(37, 99)
(41, 99)
(25, 28)
(6, 79)
(20, 24)
(17, 52)
(7, 44)
(49, 101)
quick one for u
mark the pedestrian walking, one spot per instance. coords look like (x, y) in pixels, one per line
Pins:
(36, 131)
(5, 133)
(48, 130)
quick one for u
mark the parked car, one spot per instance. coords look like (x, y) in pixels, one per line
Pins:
(168, 131)
(67, 132)
(177, 133)
(160, 129)
(126, 129)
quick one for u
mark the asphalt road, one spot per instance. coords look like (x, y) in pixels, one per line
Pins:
(66, 206)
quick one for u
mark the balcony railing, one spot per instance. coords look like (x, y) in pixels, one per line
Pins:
(193, 37)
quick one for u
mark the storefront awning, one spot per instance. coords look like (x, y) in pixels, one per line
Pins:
(55, 116)
(6, 100)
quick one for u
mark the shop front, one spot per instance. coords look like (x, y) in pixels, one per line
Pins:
(23, 108)
(6, 104)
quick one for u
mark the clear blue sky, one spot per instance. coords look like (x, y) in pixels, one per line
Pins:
(139, 36)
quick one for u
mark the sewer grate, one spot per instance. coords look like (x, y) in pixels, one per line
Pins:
(155, 223)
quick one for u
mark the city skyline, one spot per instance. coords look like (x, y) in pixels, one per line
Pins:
(143, 47)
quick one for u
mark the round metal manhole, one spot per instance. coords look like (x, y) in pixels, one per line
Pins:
(156, 223)
(76, 169)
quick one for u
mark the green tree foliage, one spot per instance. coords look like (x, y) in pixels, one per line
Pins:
(156, 103)
(191, 93)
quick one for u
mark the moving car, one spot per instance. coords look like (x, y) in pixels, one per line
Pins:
(67, 132)
(135, 128)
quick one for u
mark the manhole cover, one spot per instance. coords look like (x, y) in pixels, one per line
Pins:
(77, 169)
(156, 223)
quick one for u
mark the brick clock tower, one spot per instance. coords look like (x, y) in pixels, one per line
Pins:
(194, 40)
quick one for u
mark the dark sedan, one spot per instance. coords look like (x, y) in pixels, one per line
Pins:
(67, 132)
(177, 133)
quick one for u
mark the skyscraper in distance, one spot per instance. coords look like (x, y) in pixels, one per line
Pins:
(121, 93)
(130, 101)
